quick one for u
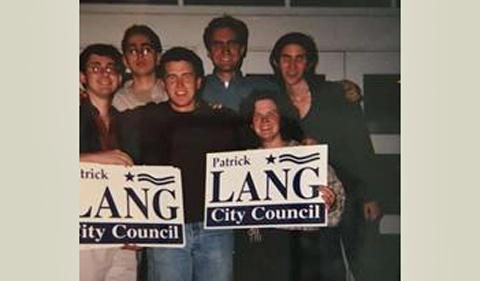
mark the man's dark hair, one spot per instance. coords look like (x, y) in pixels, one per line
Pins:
(103, 50)
(297, 38)
(181, 54)
(141, 30)
(237, 26)
(288, 128)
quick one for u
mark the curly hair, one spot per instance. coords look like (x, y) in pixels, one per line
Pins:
(305, 41)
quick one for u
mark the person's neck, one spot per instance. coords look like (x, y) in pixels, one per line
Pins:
(143, 83)
(225, 76)
(274, 143)
(183, 109)
(299, 89)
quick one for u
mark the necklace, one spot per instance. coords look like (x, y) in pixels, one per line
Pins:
(302, 102)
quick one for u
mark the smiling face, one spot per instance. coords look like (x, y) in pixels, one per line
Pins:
(266, 121)
(100, 78)
(181, 84)
(293, 63)
(225, 50)
(140, 56)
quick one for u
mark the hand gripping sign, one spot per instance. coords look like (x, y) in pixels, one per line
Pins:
(140, 205)
(266, 188)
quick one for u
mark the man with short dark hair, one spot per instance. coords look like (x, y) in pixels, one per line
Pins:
(321, 112)
(142, 49)
(101, 71)
(226, 40)
(180, 132)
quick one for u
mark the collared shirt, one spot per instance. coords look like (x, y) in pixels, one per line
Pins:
(126, 98)
(232, 94)
(94, 136)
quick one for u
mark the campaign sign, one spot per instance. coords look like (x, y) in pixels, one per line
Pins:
(141, 205)
(266, 188)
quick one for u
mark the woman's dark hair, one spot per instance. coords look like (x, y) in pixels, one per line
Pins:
(300, 39)
(289, 128)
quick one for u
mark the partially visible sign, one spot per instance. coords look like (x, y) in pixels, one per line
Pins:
(266, 188)
(140, 205)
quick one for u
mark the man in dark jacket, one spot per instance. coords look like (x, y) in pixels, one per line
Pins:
(319, 111)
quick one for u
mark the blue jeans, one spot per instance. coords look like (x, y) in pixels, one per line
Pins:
(207, 256)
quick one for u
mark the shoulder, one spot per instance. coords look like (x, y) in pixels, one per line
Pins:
(330, 92)
(326, 87)
(123, 91)
(86, 110)
(262, 82)
(209, 80)
(222, 114)
(141, 111)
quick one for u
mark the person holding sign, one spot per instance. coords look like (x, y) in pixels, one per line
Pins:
(101, 71)
(179, 133)
(269, 127)
(320, 110)
(268, 124)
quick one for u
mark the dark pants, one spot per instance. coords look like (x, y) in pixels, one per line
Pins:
(318, 256)
(360, 239)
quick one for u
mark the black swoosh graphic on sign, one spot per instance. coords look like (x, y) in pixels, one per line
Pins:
(154, 180)
(299, 161)
(287, 155)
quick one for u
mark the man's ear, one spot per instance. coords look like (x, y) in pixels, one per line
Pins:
(83, 79)
(159, 56)
(120, 79)
(243, 51)
(162, 83)
(124, 60)
(199, 83)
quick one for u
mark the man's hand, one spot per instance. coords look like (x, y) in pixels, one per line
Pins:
(371, 211)
(309, 141)
(131, 247)
(114, 157)
(328, 196)
(352, 91)
(215, 105)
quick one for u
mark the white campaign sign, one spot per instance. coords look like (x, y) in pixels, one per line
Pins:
(266, 187)
(140, 205)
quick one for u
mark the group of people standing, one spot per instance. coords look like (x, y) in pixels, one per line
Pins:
(170, 113)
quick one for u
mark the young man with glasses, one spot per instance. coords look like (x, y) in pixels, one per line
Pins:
(141, 48)
(101, 72)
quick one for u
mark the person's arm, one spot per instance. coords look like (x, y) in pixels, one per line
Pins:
(363, 151)
(114, 157)
(335, 211)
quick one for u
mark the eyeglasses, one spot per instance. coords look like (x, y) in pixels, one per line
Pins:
(97, 69)
(269, 116)
(144, 51)
(230, 44)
